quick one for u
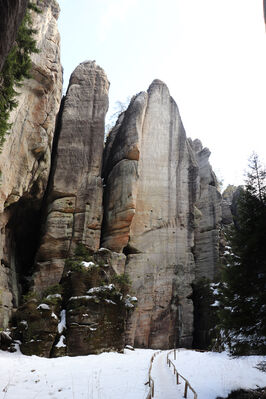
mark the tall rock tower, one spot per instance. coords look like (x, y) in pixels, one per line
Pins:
(151, 178)
(74, 205)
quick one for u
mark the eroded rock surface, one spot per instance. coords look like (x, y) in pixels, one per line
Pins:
(151, 178)
(74, 213)
(26, 156)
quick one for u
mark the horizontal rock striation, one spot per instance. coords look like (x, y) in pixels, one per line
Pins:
(74, 210)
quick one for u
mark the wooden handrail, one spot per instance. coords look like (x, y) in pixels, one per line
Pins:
(151, 380)
(187, 384)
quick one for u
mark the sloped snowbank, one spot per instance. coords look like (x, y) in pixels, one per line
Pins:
(217, 374)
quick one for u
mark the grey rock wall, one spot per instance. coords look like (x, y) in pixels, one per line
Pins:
(151, 178)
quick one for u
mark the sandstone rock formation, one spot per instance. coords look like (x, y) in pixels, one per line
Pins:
(209, 209)
(74, 213)
(152, 200)
(11, 15)
(151, 178)
(96, 308)
(85, 314)
(26, 157)
(230, 196)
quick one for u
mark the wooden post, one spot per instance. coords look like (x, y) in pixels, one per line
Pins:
(177, 378)
(185, 393)
(175, 354)
(152, 390)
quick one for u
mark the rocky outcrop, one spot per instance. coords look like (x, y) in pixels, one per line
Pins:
(26, 157)
(209, 212)
(37, 328)
(11, 15)
(74, 210)
(84, 314)
(96, 308)
(229, 204)
(151, 178)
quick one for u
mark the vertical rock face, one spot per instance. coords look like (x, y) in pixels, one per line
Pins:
(26, 156)
(210, 216)
(34, 118)
(151, 178)
(75, 196)
(11, 15)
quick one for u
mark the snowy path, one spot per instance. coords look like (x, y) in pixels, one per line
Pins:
(165, 386)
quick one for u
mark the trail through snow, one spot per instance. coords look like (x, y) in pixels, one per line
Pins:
(165, 386)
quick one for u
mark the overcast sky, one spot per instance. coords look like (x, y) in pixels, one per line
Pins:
(210, 53)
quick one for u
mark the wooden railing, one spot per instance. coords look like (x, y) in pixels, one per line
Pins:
(151, 380)
(178, 376)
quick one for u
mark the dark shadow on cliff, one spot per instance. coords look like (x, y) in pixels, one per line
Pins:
(24, 227)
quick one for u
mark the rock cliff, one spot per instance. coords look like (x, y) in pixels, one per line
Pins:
(11, 15)
(26, 157)
(74, 212)
(149, 199)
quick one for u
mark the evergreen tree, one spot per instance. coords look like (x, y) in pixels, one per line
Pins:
(16, 68)
(242, 310)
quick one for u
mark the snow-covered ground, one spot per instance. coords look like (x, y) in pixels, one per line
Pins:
(105, 376)
(217, 374)
(123, 376)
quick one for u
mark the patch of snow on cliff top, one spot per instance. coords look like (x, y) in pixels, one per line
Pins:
(102, 288)
(43, 306)
(88, 264)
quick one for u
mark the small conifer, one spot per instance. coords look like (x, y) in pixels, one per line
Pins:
(243, 291)
(17, 67)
